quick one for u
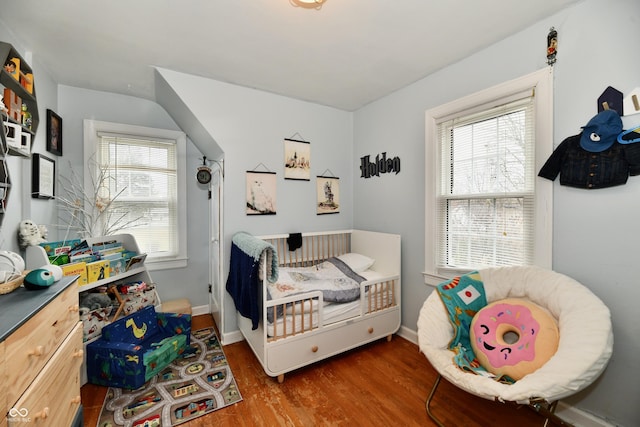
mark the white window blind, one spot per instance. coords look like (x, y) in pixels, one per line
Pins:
(143, 172)
(485, 191)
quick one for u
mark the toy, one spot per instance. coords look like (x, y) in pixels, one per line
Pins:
(30, 234)
(94, 300)
(38, 279)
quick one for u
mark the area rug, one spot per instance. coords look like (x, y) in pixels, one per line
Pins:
(195, 384)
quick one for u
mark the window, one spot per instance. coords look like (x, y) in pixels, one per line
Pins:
(145, 176)
(485, 205)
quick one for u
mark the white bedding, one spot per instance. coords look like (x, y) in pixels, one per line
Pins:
(332, 312)
(586, 337)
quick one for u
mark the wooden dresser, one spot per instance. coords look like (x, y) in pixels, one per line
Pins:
(40, 356)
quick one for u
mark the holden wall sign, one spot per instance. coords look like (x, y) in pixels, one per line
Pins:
(381, 164)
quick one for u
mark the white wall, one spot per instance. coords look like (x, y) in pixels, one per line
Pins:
(250, 126)
(595, 231)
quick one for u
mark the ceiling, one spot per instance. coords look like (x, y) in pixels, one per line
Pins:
(349, 53)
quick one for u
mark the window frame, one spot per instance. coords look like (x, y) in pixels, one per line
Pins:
(541, 82)
(91, 139)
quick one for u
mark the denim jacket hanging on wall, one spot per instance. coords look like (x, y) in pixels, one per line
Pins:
(585, 169)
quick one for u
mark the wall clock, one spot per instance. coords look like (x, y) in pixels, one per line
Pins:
(204, 172)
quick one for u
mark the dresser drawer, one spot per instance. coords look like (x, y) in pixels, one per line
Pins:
(54, 396)
(29, 348)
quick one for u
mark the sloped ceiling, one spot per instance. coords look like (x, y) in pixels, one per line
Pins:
(347, 54)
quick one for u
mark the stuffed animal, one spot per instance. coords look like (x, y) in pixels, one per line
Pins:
(44, 233)
(94, 300)
(30, 234)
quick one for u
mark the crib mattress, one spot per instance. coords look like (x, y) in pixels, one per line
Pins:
(586, 338)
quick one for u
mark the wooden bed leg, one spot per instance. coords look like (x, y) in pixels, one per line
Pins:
(389, 337)
(280, 378)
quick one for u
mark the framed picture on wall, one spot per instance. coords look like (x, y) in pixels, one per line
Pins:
(261, 193)
(43, 177)
(54, 133)
(328, 195)
(297, 160)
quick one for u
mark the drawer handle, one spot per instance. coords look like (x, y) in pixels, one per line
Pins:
(78, 353)
(75, 400)
(74, 308)
(38, 351)
(42, 414)
(370, 329)
(314, 349)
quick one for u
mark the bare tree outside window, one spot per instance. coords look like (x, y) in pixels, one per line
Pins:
(484, 195)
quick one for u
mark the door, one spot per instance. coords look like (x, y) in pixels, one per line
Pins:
(216, 284)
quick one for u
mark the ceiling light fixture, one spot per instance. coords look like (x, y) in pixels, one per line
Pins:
(308, 4)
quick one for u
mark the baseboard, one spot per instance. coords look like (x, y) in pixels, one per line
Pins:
(408, 334)
(199, 310)
(232, 337)
(226, 338)
(579, 417)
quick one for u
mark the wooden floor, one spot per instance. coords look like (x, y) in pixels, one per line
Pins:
(380, 384)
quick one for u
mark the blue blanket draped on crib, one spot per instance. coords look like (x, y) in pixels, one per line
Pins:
(244, 280)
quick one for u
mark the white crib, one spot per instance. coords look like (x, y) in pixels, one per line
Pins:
(304, 329)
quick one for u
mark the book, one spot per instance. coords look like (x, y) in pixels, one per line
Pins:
(83, 257)
(76, 268)
(136, 261)
(100, 246)
(128, 254)
(81, 248)
(110, 251)
(97, 270)
(60, 247)
(59, 259)
(117, 255)
(117, 266)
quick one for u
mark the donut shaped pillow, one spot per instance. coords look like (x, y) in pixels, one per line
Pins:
(513, 337)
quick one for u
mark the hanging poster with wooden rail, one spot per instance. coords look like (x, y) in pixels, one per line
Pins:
(261, 193)
(328, 195)
(297, 160)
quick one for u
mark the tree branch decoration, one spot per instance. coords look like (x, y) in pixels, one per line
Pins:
(88, 210)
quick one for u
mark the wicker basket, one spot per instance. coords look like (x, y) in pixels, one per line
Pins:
(11, 285)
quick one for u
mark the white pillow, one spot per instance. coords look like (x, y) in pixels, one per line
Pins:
(357, 262)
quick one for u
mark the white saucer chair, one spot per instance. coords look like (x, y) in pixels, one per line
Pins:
(584, 348)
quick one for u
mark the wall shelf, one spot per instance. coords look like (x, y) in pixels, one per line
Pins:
(16, 138)
(27, 96)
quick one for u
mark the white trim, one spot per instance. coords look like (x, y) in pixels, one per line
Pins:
(433, 279)
(408, 334)
(91, 130)
(579, 417)
(199, 310)
(231, 337)
(166, 263)
(542, 82)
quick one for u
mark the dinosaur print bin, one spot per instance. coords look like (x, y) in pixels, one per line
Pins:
(135, 348)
